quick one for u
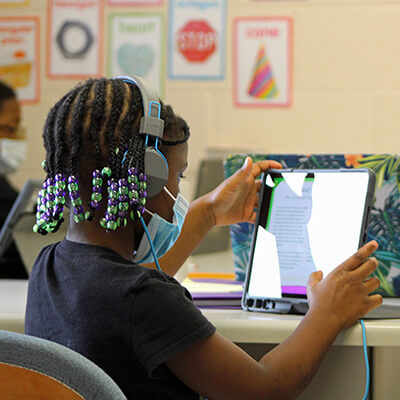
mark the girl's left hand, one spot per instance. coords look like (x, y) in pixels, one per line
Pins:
(236, 199)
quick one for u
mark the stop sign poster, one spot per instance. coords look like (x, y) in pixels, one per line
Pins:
(135, 46)
(197, 39)
(263, 61)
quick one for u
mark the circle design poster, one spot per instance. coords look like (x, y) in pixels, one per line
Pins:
(74, 38)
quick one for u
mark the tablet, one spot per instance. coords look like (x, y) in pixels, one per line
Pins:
(307, 220)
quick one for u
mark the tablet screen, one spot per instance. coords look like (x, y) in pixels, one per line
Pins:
(308, 221)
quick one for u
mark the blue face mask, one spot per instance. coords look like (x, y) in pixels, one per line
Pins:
(163, 234)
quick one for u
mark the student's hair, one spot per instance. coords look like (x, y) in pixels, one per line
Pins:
(95, 128)
(6, 93)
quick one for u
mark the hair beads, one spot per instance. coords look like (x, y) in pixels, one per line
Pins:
(82, 133)
(41, 211)
(142, 186)
(123, 202)
(133, 193)
(76, 201)
(59, 196)
(50, 205)
(112, 208)
(49, 199)
(96, 196)
(126, 192)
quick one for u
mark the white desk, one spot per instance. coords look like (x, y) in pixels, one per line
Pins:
(13, 295)
(251, 327)
(341, 375)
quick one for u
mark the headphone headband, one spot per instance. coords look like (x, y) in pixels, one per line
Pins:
(156, 166)
(150, 123)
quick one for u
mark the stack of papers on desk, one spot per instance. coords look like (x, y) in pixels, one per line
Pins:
(214, 290)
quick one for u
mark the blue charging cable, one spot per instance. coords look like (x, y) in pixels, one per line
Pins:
(141, 218)
(367, 373)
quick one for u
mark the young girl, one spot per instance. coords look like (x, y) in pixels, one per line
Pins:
(91, 292)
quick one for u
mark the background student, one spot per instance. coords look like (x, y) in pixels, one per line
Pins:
(12, 155)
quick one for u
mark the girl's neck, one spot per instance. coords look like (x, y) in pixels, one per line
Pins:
(121, 241)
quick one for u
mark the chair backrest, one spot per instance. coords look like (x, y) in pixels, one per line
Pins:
(210, 175)
(19, 207)
(19, 223)
(32, 368)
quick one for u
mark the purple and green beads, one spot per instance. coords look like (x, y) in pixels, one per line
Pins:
(96, 196)
(50, 205)
(123, 202)
(110, 218)
(76, 200)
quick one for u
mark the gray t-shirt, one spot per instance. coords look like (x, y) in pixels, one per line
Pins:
(126, 318)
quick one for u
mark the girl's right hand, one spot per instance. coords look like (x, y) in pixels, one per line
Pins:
(343, 296)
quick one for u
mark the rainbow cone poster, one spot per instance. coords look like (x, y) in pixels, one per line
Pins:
(262, 83)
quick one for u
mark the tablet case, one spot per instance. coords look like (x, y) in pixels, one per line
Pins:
(384, 225)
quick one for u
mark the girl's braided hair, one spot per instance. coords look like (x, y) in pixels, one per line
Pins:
(95, 127)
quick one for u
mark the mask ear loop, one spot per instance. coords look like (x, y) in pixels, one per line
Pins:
(170, 194)
(151, 243)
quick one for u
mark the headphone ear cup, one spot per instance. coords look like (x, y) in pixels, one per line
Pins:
(156, 170)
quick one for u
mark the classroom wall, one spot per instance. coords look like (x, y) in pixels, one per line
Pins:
(346, 86)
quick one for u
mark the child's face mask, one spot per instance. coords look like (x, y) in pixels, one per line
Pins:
(12, 154)
(163, 234)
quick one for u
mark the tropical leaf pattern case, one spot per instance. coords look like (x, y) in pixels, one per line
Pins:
(384, 224)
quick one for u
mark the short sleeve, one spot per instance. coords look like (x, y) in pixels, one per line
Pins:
(164, 321)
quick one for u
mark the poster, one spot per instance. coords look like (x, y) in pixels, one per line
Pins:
(134, 2)
(74, 38)
(197, 39)
(19, 56)
(135, 46)
(263, 62)
(13, 3)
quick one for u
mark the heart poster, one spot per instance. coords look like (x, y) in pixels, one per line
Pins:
(135, 46)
